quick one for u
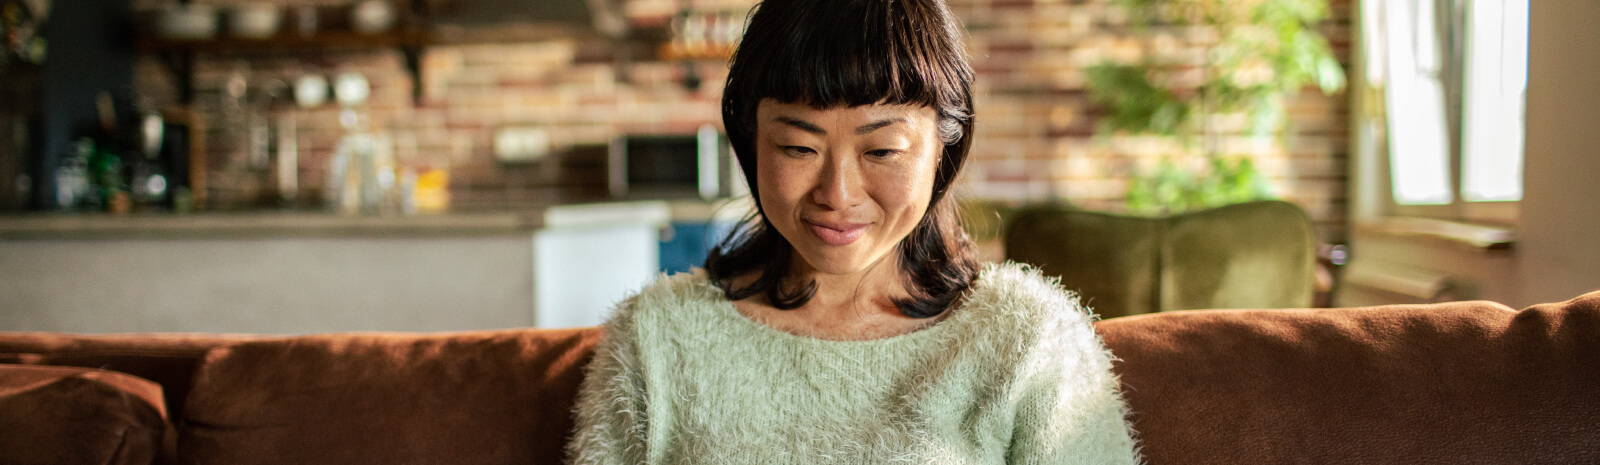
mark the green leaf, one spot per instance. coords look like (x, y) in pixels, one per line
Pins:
(1330, 76)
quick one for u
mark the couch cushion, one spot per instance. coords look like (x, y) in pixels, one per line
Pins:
(1465, 382)
(73, 415)
(166, 358)
(497, 397)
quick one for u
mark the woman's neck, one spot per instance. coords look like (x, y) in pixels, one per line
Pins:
(870, 290)
(857, 306)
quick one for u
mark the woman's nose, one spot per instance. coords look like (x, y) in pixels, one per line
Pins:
(840, 185)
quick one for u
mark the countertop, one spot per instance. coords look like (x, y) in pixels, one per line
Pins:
(274, 223)
(262, 224)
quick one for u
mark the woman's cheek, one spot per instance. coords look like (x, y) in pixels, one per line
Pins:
(895, 193)
(778, 183)
(780, 176)
(914, 183)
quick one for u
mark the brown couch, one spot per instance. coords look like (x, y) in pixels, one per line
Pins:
(1465, 382)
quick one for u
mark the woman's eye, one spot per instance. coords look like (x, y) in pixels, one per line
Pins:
(798, 150)
(883, 153)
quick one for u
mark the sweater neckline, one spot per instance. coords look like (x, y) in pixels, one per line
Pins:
(958, 315)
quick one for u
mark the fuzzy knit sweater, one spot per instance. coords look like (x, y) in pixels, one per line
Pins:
(1016, 375)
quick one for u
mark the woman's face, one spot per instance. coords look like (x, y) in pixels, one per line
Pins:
(845, 185)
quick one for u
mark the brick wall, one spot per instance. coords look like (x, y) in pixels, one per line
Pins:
(1036, 136)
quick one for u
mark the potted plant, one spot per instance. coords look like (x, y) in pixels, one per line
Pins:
(1253, 54)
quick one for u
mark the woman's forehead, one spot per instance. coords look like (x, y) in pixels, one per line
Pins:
(770, 110)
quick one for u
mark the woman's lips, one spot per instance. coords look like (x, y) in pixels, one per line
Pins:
(837, 234)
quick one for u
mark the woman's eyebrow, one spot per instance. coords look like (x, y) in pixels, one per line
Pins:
(802, 125)
(879, 124)
(814, 129)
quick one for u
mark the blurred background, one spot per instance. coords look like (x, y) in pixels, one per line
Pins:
(296, 166)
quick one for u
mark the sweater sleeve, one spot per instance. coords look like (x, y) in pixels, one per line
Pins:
(1070, 409)
(610, 416)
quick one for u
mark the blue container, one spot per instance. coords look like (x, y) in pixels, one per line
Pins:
(689, 243)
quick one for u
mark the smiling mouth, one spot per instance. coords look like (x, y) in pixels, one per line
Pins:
(838, 234)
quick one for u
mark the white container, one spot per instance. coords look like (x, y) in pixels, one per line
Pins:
(372, 16)
(350, 88)
(193, 21)
(311, 90)
(254, 20)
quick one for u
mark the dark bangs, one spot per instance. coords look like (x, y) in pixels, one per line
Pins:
(845, 53)
(833, 53)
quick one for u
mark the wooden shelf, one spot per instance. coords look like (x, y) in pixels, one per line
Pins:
(674, 52)
(453, 34)
(415, 31)
(179, 54)
(286, 43)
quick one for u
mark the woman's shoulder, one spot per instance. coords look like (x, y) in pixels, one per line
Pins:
(694, 285)
(1020, 290)
(1018, 299)
(1041, 328)
(666, 293)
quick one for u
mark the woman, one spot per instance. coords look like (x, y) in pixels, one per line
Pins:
(848, 322)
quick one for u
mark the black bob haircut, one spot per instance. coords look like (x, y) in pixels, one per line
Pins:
(846, 53)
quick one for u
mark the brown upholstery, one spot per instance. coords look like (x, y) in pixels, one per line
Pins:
(69, 415)
(166, 358)
(500, 397)
(1465, 382)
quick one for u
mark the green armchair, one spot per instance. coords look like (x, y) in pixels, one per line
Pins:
(1250, 255)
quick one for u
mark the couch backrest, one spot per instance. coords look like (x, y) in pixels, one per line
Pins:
(1465, 382)
(492, 397)
(1472, 382)
(166, 358)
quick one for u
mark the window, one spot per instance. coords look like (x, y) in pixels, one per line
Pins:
(1454, 75)
(1496, 85)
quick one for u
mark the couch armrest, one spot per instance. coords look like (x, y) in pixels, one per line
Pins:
(72, 415)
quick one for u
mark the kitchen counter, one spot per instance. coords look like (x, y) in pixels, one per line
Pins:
(305, 272)
(264, 224)
(279, 223)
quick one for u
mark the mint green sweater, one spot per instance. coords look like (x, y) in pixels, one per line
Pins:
(1016, 375)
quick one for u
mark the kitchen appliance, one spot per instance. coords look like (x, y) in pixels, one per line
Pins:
(663, 167)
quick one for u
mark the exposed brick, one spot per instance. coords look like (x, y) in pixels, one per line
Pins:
(1037, 137)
